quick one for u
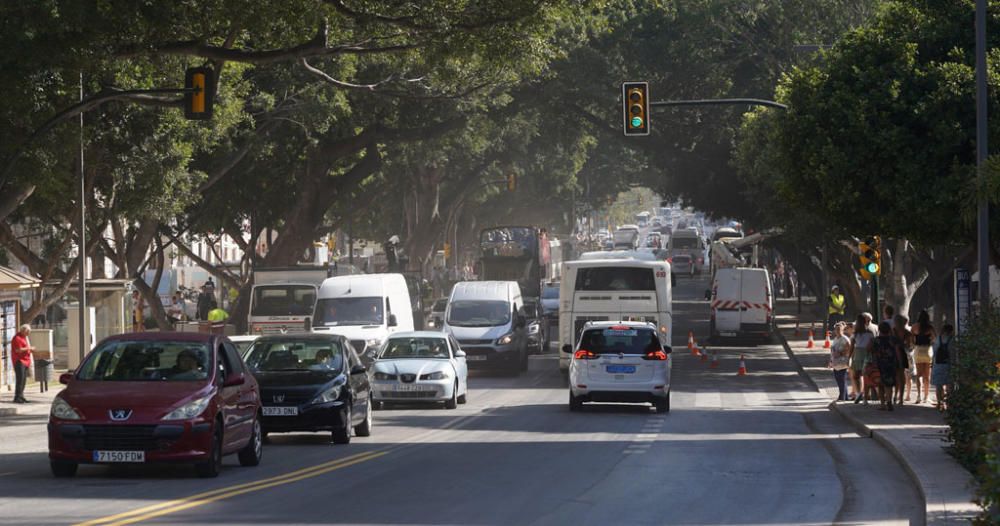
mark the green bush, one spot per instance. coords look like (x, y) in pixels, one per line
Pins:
(974, 408)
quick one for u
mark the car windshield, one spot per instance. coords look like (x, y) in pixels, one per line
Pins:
(296, 355)
(479, 313)
(140, 361)
(402, 348)
(550, 293)
(349, 311)
(620, 340)
(283, 300)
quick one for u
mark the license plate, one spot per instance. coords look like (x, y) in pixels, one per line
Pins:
(621, 369)
(406, 388)
(475, 358)
(119, 456)
(281, 411)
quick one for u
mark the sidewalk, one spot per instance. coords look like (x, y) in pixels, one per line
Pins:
(39, 403)
(914, 434)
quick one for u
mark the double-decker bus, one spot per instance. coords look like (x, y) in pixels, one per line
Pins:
(515, 253)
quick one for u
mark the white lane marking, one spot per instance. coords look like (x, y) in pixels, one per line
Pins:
(8, 473)
(708, 400)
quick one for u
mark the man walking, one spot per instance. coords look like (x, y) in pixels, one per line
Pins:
(21, 358)
(837, 308)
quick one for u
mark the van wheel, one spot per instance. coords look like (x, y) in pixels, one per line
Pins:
(63, 469)
(213, 466)
(662, 405)
(251, 454)
(574, 403)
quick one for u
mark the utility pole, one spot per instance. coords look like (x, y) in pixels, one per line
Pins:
(983, 238)
(82, 278)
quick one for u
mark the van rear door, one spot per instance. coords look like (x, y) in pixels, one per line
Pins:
(727, 302)
(755, 297)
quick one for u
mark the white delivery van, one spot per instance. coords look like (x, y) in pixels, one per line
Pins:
(283, 299)
(688, 241)
(612, 290)
(487, 319)
(366, 308)
(741, 303)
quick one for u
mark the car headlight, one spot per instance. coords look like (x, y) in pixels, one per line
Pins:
(436, 375)
(189, 410)
(330, 394)
(62, 409)
(505, 339)
(384, 376)
(533, 328)
(430, 323)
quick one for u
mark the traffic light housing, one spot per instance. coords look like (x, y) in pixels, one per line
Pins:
(511, 182)
(447, 251)
(870, 257)
(199, 99)
(635, 108)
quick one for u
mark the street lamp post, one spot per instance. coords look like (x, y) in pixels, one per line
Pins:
(82, 278)
(983, 237)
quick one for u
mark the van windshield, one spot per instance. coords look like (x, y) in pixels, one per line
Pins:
(283, 300)
(478, 313)
(349, 311)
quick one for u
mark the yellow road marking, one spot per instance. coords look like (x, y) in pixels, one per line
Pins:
(173, 506)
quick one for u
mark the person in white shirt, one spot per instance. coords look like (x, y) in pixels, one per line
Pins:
(840, 351)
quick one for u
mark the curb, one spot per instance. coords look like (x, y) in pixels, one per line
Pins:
(8, 411)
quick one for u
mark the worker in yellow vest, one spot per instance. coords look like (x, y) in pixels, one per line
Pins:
(837, 307)
(217, 317)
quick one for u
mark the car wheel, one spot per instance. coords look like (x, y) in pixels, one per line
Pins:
(574, 403)
(63, 469)
(251, 454)
(452, 402)
(662, 405)
(464, 396)
(364, 429)
(213, 466)
(343, 435)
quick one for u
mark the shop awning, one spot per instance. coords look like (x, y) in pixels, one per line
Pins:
(11, 279)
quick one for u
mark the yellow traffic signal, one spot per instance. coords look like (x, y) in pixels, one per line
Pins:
(635, 106)
(198, 100)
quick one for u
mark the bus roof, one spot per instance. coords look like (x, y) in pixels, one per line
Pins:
(634, 263)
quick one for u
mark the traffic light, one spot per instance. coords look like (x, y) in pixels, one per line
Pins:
(635, 106)
(869, 257)
(876, 256)
(199, 100)
(511, 182)
(447, 251)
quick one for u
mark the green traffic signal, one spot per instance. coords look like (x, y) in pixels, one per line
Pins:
(636, 122)
(872, 267)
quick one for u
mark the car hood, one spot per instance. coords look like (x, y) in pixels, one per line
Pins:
(268, 379)
(92, 395)
(478, 333)
(356, 332)
(411, 366)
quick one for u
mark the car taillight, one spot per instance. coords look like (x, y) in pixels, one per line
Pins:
(670, 260)
(655, 355)
(584, 354)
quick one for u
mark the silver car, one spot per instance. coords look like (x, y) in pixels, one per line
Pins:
(420, 366)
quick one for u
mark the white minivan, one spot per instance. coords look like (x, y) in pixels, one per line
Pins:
(366, 308)
(487, 319)
(741, 303)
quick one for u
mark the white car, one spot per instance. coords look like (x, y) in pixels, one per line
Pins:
(620, 362)
(422, 366)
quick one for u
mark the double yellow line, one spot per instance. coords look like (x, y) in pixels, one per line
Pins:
(174, 506)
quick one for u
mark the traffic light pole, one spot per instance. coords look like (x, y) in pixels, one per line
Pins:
(713, 102)
(876, 313)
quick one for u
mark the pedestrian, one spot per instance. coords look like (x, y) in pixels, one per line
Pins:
(837, 307)
(885, 356)
(863, 341)
(217, 317)
(923, 336)
(941, 372)
(177, 306)
(21, 350)
(138, 310)
(840, 359)
(849, 334)
(206, 300)
(904, 362)
(888, 314)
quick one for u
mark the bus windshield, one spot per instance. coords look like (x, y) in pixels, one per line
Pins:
(615, 278)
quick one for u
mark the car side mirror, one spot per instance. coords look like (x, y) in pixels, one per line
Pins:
(358, 369)
(392, 320)
(459, 354)
(66, 378)
(567, 348)
(234, 380)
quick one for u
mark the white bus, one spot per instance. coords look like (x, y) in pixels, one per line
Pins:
(612, 290)
(642, 219)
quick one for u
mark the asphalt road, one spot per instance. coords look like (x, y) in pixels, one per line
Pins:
(759, 449)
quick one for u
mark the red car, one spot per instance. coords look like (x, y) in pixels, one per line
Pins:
(157, 397)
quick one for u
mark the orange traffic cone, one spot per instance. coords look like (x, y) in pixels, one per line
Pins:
(743, 367)
(826, 343)
(715, 360)
(695, 351)
(810, 344)
(691, 340)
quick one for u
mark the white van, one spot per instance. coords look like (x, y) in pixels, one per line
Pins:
(688, 241)
(487, 319)
(366, 308)
(741, 303)
(612, 290)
